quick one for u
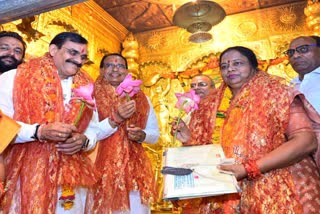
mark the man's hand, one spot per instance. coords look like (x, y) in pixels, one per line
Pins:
(181, 129)
(72, 145)
(136, 133)
(56, 131)
(127, 109)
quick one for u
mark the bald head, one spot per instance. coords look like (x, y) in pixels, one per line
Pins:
(202, 84)
(304, 54)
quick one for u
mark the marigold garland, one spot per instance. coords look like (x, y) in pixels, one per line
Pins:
(221, 114)
(67, 198)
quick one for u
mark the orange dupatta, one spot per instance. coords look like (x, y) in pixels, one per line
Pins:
(256, 123)
(38, 166)
(124, 164)
(202, 121)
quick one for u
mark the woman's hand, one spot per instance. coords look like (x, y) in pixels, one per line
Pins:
(237, 169)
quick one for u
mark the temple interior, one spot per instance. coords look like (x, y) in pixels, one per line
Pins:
(161, 52)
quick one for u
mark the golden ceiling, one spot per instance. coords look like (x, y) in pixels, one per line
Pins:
(147, 15)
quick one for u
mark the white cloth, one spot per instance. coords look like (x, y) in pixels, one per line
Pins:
(135, 205)
(310, 87)
(151, 130)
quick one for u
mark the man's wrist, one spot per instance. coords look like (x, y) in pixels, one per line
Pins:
(85, 144)
(35, 135)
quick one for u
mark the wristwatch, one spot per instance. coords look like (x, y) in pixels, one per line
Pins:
(85, 144)
(35, 135)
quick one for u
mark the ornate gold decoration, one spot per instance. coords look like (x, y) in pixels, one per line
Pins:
(312, 11)
(289, 19)
(155, 41)
(26, 28)
(131, 53)
(66, 26)
(246, 29)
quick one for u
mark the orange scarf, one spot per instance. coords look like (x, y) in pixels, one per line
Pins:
(203, 121)
(124, 164)
(255, 125)
(40, 167)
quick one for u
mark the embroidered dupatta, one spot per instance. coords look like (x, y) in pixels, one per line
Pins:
(202, 121)
(270, 104)
(124, 164)
(38, 166)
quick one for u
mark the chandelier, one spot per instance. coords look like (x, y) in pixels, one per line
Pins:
(198, 18)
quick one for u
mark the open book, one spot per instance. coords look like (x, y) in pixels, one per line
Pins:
(205, 179)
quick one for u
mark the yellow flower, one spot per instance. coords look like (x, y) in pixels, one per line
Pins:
(224, 105)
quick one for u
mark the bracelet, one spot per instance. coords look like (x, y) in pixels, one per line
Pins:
(252, 169)
(114, 119)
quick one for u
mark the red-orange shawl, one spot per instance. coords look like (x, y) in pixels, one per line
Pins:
(255, 125)
(41, 168)
(203, 121)
(124, 164)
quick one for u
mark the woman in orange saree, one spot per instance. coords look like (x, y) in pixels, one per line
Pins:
(268, 132)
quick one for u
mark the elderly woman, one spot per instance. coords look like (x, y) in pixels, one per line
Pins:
(268, 132)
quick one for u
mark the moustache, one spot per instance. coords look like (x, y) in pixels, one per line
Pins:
(10, 57)
(75, 63)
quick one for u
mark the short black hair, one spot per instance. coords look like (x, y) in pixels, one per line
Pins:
(63, 37)
(113, 54)
(16, 36)
(248, 53)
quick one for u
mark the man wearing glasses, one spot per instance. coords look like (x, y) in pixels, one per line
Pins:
(47, 172)
(304, 57)
(201, 120)
(127, 184)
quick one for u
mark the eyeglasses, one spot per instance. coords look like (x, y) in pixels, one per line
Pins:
(199, 84)
(75, 53)
(112, 66)
(17, 51)
(301, 49)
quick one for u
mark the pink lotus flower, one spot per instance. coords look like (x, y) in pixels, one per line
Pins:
(84, 95)
(187, 101)
(128, 87)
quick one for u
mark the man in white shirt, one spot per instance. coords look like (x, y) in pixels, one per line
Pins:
(46, 158)
(12, 50)
(304, 57)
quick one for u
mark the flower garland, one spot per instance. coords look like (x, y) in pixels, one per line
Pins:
(221, 115)
(81, 94)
